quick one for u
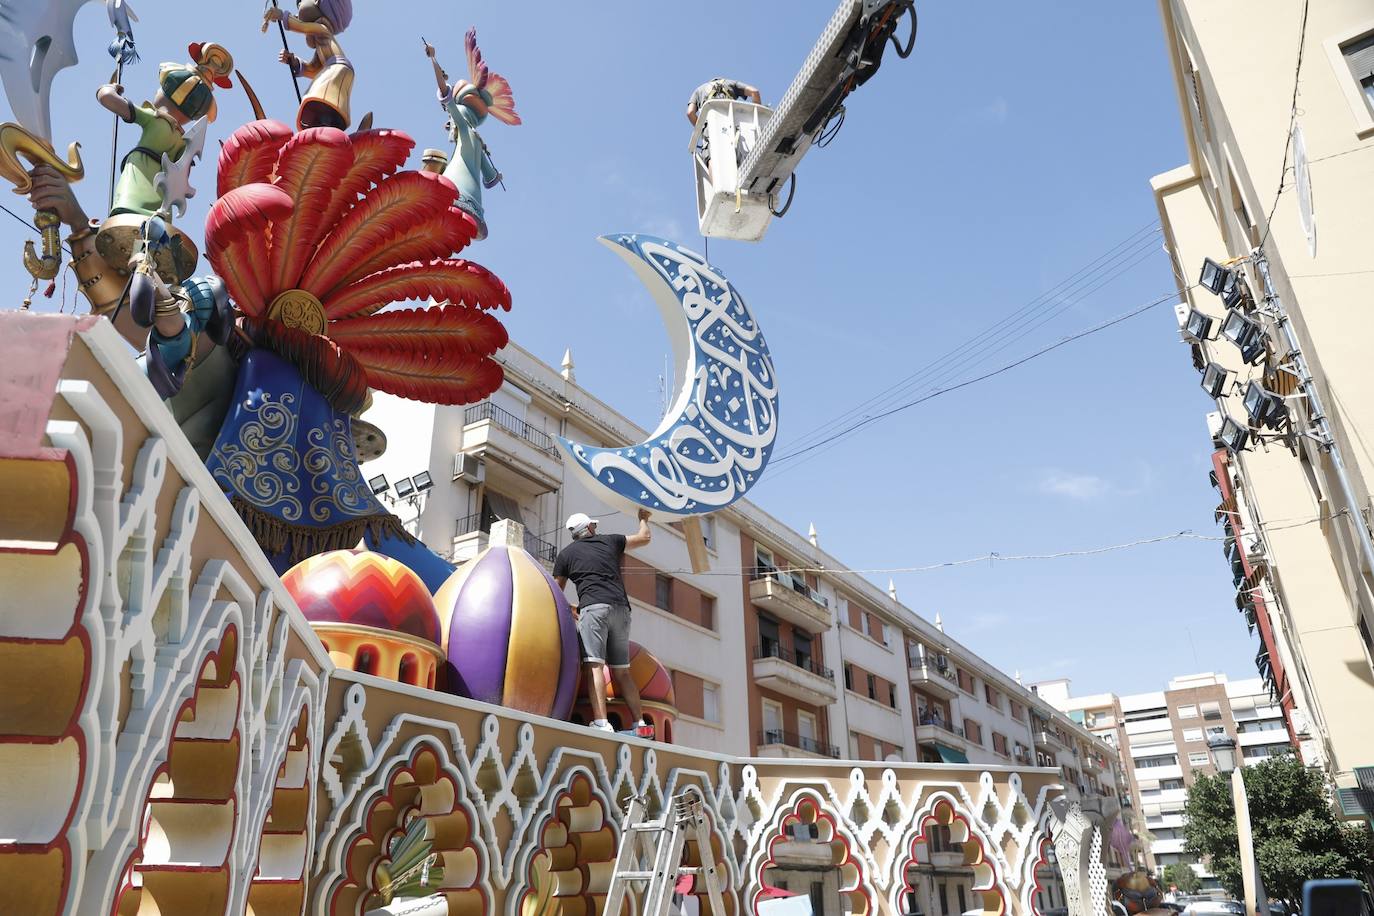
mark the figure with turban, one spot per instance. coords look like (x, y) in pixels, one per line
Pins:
(331, 74)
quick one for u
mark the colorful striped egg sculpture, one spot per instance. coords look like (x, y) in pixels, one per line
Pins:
(509, 634)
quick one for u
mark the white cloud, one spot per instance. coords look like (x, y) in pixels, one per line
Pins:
(1081, 487)
(995, 112)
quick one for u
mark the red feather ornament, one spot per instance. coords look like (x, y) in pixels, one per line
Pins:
(250, 154)
(309, 169)
(439, 236)
(456, 281)
(393, 206)
(236, 241)
(376, 154)
(434, 333)
(342, 226)
(453, 381)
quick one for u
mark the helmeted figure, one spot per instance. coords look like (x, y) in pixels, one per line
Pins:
(468, 102)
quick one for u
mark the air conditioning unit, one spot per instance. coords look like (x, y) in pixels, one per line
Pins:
(469, 468)
(942, 662)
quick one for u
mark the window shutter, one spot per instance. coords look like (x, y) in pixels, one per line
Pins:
(1360, 56)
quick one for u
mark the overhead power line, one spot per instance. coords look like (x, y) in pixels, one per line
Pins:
(873, 418)
(993, 557)
(1005, 331)
(1292, 119)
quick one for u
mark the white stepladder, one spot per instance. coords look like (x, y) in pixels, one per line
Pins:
(651, 853)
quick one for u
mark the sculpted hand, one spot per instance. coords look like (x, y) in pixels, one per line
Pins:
(53, 192)
(644, 515)
(286, 57)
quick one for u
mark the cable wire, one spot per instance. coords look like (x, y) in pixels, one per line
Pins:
(996, 557)
(1008, 328)
(1292, 119)
(987, 375)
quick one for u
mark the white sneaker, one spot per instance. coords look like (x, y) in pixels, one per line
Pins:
(602, 725)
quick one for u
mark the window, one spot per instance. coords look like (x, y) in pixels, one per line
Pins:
(892, 695)
(999, 744)
(801, 649)
(1162, 760)
(769, 642)
(872, 687)
(1184, 712)
(1198, 759)
(806, 725)
(1192, 734)
(763, 559)
(848, 676)
(1167, 784)
(708, 531)
(973, 731)
(1359, 57)
(408, 672)
(365, 661)
(864, 626)
(663, 593)
(1018, 712)
(1211, 711)
(708, 612)
(710, 702)
(944, 901)
(965, 680)
(772, 722)
(963, 900)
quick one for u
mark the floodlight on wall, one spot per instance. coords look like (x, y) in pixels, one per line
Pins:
(1233, 436)
(1214, 378)
(405, 488)
(1262, 406)
(1197, 327)
(1246, 333)
(378, 485)
(423, 482)
(1233, 291)
(1214, 277)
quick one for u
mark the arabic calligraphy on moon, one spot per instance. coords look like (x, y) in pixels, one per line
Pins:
(721, 424)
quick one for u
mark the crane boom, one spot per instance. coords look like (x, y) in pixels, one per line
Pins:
(846, 55)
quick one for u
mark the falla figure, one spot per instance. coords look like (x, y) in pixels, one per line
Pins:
(326, 103)
(468, 102)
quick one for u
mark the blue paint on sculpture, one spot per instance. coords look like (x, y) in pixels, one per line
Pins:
(720, 428)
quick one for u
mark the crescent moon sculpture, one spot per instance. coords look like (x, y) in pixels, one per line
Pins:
(718, 433)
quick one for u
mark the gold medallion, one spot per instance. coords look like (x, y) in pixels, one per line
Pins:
(297, 308)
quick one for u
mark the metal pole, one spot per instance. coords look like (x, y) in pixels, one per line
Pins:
(1319, 417)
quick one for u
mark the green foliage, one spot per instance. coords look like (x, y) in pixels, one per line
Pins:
(1296, 833)
(1182, 876)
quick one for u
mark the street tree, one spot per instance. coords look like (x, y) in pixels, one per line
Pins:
(1182, 876)
(1297, 835)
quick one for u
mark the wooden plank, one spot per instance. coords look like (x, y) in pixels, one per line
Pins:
(696, 544)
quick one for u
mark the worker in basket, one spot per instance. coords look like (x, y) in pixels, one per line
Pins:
(720, 88)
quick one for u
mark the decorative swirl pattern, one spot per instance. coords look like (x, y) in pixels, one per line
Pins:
(262, 464)
(717, 436)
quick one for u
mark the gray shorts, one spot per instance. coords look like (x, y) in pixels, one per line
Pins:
(604, 631)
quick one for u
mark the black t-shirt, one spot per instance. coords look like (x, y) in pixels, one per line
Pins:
(593, 565)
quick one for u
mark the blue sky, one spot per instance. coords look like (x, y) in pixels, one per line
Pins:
(1012, 149)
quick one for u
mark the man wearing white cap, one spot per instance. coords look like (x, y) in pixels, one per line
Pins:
(592, 562)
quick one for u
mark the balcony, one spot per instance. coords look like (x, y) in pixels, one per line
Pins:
(1051, 741)
(520, 459)
(798, 605)
(1093, 763)
(947, 858)
(775, 742)
(927, 677)
(929, 732)
(802, 679)
(470, 539)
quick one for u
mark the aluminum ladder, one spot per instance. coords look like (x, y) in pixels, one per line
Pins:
(651, 853)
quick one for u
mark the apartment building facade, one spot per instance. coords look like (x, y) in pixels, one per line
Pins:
(1162, 738)
(775, 649)
(1276, 190)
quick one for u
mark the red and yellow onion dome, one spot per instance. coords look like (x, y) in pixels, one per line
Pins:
(372, 612)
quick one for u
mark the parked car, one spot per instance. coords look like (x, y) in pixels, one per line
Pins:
(1214, 908)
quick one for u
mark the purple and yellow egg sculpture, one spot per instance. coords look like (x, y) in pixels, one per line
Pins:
(509, 634)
